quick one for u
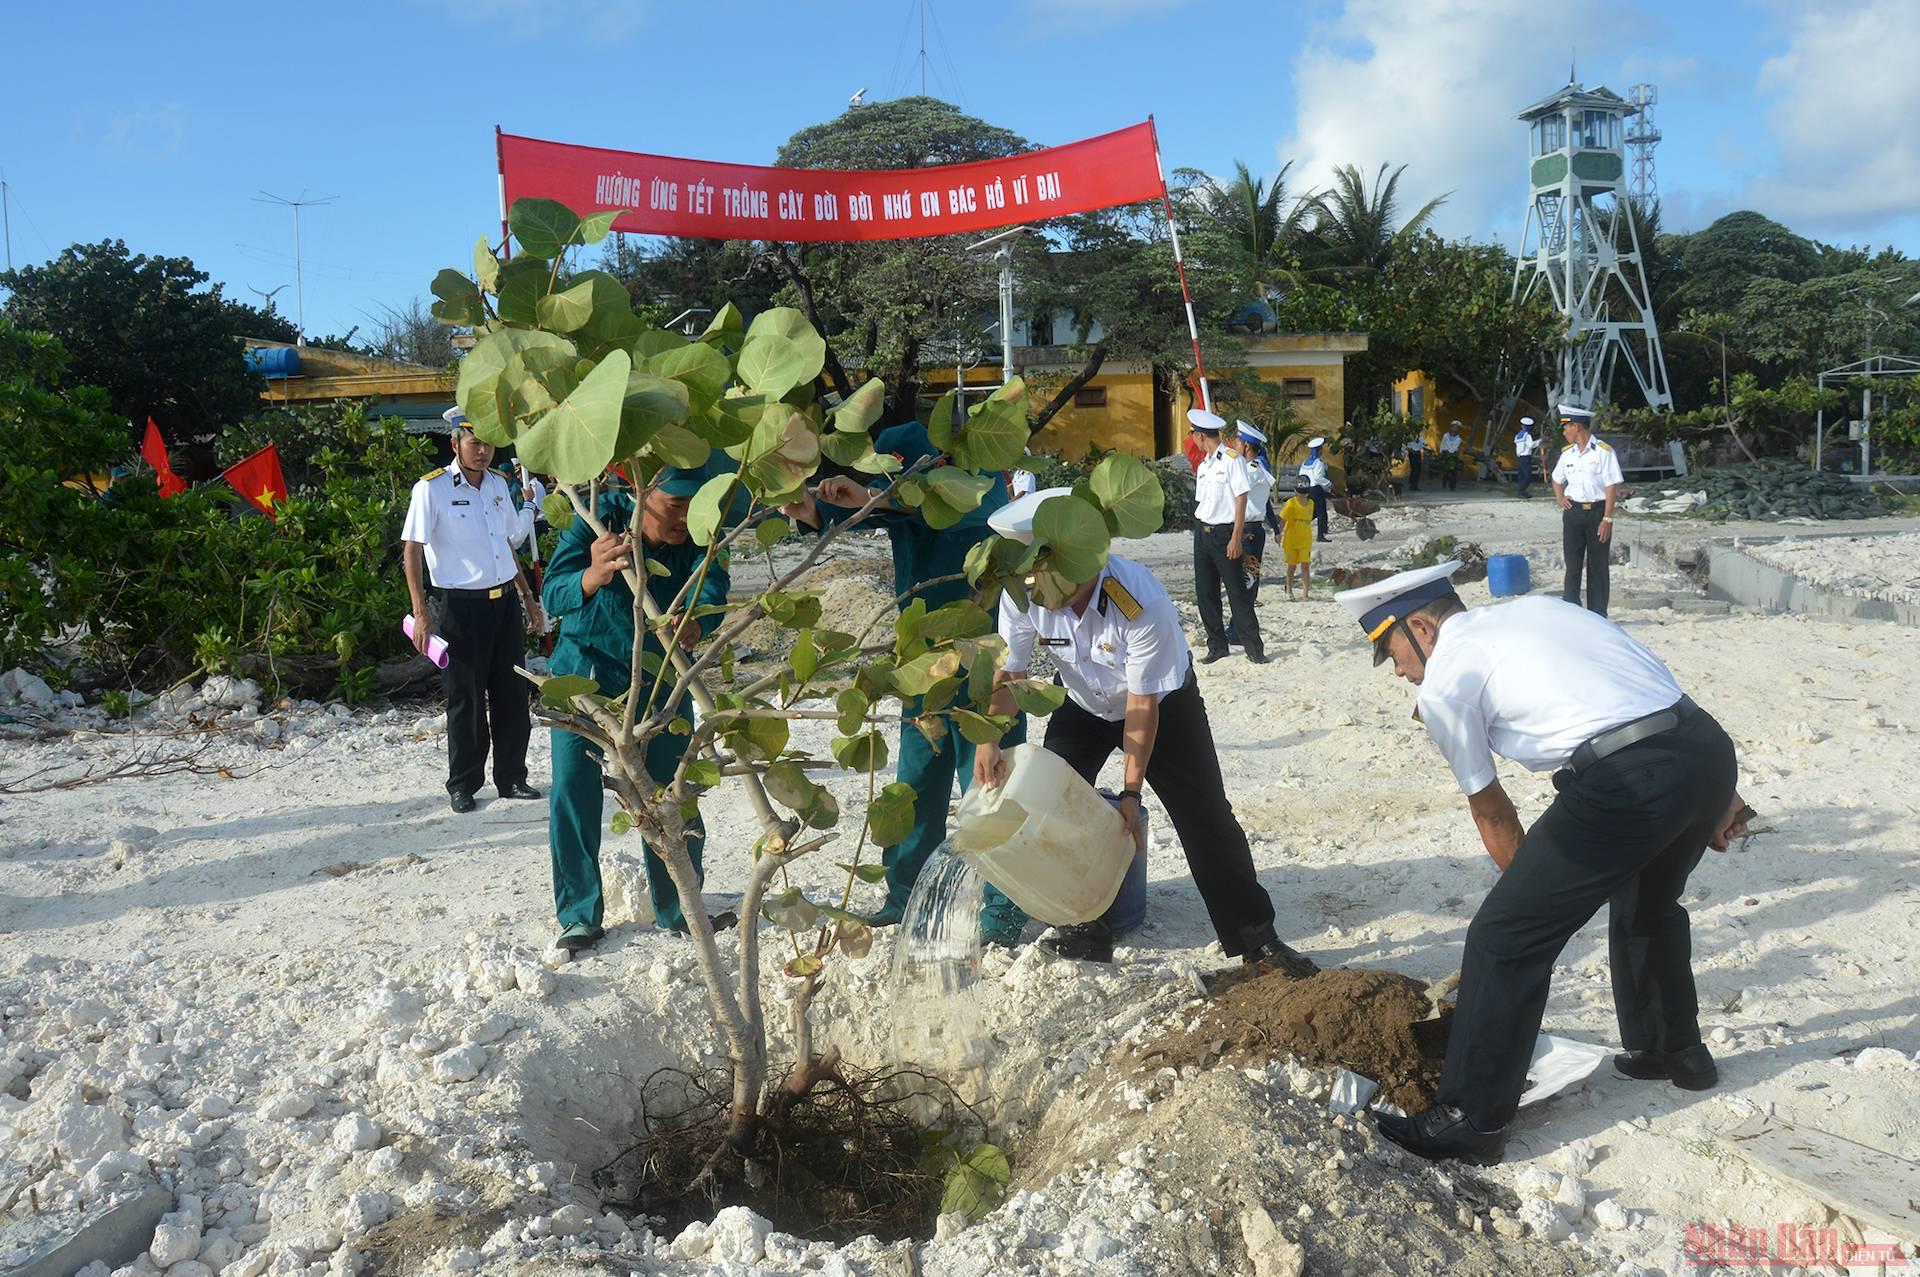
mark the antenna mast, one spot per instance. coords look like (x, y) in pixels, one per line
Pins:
(6, 214)
(299, 287)
(923, 48)
(1642, 136)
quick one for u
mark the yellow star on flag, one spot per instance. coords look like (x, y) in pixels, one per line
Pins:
(266, 497)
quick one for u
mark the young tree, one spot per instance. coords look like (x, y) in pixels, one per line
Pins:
(583, 388)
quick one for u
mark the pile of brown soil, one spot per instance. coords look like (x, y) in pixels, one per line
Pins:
(1372, 1022)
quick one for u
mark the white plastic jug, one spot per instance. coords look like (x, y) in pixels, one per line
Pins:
(1045, 837)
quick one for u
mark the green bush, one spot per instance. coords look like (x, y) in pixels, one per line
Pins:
(132, 588)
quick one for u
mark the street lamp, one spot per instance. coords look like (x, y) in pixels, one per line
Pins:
(1004, 255)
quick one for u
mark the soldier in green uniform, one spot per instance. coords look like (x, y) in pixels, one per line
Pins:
(587, 594)
(923, 554)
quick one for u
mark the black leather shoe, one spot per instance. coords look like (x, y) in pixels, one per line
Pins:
(1258, 658)
(1213, 654)
(1275, 956)
(519, 789)
(579, 936)
(1087, 942)
(460, 801)
(725, 920)
(1443, 1131)
(1690, 1068)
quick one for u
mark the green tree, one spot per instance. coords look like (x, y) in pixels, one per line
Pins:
(1716, 265)
(1263, 221)
(1356, 231)
(146, 331)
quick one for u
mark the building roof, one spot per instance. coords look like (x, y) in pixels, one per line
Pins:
(1599, 97)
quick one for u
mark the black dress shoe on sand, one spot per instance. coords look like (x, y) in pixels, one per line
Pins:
(520, 789)
(1213, 655)
(1441, 1132)
(460, 801)
(1087, 942)
(1690, 1068)
(1275, 956)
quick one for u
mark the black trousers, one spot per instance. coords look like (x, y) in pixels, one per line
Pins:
(486, 700)
(1319, 495)
(1414, 460)
(1449, 464)
(1580, 539)
(1625, 831)
(1184, 773)
(1523, 472)
(1213, 571)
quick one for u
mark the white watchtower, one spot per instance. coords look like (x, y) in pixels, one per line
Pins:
(1581, 245)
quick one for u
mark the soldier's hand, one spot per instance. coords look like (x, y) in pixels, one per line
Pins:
(805, 511)
(989, 768)
(842, 491)
(1732, 825)
(686, 633)
(536, 619)
(1135, 826)
(610, 553)
(422, 631)
(1233, 547)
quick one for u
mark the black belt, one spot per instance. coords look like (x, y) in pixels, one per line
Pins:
(1615, 739)
(1214, 527)
(1587, 505)
(491, 593)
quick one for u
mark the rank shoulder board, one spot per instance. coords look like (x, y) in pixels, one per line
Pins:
(433, 474)
(1128, 605)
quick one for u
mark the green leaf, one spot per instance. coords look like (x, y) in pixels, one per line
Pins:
(951, 493)
(855, 452)
(804, 658)
(976, 1183)
(866, 752)
(709, 507)
(701, 369)
(596, 226)
(558, 692)
(787, 783)
(781, 351)
(940, 424)
(459, 303)
(523, 282)
(621, 822)
(566, 311)
(558, 511)
(858, 411)
(1035, 697)
(803, 966)
(479, 391)
(703, 772)
(486, 267)
(923, 671)
(650, 405)
(766, 738)
(1075, 535)
(890, 814)
(1128, 489)
(770, 531)
(575, 441)
(792, 610)
(865, 873)
(791, 910)
(825, 812)
(981, 729)
(853, 706)
(543, 227)
(725, 329)
(679, 446)
(995, 435)
(962, 618)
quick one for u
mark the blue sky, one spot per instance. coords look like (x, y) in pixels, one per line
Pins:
(160, 123)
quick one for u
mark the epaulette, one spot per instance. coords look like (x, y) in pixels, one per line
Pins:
(433, 474)
(1604, 444)
(1128, 605)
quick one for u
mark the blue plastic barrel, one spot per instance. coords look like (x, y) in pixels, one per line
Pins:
(1129, 907)
(1507, 574)
(274, 361)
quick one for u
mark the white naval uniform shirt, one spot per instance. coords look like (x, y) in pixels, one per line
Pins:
(1449, 442)
(1524, 443)
(1105, 653)
(1416, 444)
(1259, 490)
(1587, 475)
(1316, 472)
(469, 532)
(1024, 481)
(1533, 680)
(1220, 478)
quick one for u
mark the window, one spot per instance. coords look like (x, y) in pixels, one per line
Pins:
(1090, 397)
(1417, 402)
(1297, 387)
(1599, 130)
(1549, 134)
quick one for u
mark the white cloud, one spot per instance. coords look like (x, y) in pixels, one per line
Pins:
(150, 132)
(1843, 101)
(1434, 85)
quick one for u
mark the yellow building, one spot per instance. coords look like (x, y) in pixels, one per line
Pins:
(1121, 408)
(1420, 394)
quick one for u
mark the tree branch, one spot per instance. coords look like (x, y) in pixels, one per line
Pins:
(1095, 357)
(804, 286)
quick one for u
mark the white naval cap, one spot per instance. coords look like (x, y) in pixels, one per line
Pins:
(1211, 422)
(1250, 432)
(1014, 520)
(1379, 605)
(1575, 413)
(1317, 441)
(455, 419)
(1526, 421)
(1453, 423)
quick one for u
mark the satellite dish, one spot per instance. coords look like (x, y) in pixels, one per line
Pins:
(858, 99)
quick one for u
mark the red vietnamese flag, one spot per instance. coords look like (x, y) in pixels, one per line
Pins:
(259, 480)
(153, 450)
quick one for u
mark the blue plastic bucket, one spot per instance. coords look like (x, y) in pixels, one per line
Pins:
(1129, 907)
(1507, 574)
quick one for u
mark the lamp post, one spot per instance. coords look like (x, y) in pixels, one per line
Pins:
(1004, 255)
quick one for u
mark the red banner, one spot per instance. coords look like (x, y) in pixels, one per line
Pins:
(662, 195)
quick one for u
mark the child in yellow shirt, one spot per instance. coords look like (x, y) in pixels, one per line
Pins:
(1296, 537)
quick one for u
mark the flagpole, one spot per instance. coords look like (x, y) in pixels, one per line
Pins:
(500, 169)
(1179, 263)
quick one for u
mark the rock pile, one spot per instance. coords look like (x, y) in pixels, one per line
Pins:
(1778, 490)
